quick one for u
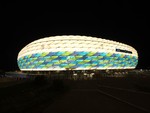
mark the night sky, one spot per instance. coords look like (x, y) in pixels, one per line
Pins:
(22, 23)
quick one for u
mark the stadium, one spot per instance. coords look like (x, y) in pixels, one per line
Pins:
(76, 53)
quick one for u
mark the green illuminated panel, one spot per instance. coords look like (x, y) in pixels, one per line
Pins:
(74, 60)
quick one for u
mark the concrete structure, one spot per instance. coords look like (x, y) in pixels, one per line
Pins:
(76, 53)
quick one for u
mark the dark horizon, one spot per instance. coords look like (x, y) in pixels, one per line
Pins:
(123, 22)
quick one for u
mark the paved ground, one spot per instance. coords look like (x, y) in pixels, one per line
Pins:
(85, 98)
(106, 95)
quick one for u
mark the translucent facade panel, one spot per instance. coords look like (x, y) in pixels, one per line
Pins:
(76, 52)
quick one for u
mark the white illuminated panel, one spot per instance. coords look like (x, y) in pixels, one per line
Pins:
(72, 43)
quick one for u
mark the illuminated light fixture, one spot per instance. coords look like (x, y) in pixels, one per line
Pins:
(76, 53)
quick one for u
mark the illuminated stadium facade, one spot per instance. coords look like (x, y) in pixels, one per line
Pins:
(76, 53)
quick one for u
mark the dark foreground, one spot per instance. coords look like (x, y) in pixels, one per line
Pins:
(104, 95)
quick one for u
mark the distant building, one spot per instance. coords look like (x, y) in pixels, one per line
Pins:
(76, 53)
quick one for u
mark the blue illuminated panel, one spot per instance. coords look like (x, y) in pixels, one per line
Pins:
(76, 59)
